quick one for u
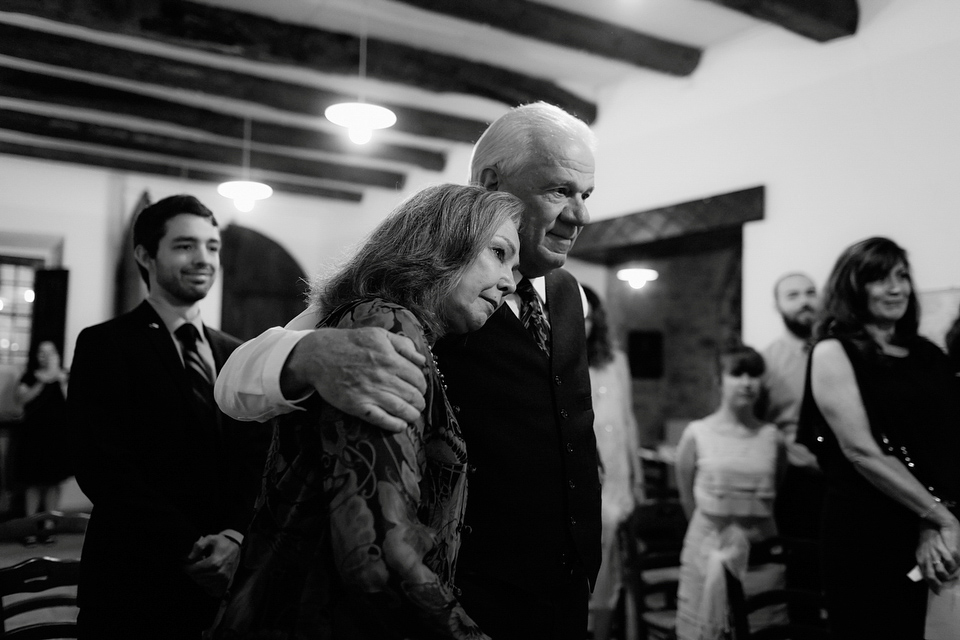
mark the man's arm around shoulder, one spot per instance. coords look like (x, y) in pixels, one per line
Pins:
(368, 372)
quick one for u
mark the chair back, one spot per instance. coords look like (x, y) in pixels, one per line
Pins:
(773, 551)
(44, 524)
(38, 576)
(650, 541)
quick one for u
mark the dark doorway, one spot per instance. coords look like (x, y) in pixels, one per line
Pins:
(694, 307)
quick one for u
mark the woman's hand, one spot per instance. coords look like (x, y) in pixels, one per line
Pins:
(938, 555)
(950, 535)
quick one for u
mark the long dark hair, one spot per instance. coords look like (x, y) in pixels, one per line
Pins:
(599, 344)
(844, 310)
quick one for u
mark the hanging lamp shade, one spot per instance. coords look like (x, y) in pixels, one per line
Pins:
(360, 119)
(244, 193)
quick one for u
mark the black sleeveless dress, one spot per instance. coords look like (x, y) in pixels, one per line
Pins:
(868, 539)
(43, 442)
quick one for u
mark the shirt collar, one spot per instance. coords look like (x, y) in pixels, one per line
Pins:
(539, 285)
(173, 317)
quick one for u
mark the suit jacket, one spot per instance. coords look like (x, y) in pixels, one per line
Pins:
(533, 509)
(159, 474)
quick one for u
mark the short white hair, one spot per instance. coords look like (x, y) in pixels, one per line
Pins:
(512, 139)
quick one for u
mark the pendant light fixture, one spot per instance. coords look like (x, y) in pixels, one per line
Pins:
(637, 278)
(246, 192)
(360, 118)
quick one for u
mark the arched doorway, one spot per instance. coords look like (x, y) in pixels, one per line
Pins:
(263, 286)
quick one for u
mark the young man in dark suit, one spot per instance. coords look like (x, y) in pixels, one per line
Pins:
(172, 483)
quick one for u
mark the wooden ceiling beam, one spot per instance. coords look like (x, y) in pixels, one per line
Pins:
(37, 87)
(72, 53)
(37, 152)
(253, 37)
(573, 30)
(177, 148)
(821, 20)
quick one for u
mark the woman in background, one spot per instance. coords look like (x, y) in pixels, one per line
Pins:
(880, 412)
(618, 449)
(728, 467)
(43, 461)
(357, 530)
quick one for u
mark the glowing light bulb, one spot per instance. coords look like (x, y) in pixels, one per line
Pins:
(244, 193)
(637, 278)
(360, 119)
(359, 135)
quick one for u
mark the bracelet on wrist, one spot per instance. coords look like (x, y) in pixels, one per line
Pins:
(931, 508)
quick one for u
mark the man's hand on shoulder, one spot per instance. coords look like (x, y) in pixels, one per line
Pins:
(369, 373)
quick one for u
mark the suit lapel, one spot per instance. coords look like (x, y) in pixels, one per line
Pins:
(166, 353)
(160, 341)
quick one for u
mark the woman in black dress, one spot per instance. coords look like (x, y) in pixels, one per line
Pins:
(43, 460)
(881, 414)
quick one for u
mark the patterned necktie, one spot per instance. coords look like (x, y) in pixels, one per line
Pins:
(198, 373)
(532, 316)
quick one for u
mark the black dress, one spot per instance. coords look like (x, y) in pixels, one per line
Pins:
(43, 456)
(868, 539)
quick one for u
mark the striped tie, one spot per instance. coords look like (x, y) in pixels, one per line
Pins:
(532, 316)
(198, 373)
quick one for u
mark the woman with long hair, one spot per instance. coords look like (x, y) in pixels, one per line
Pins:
(615, 427)
(357, 529)
(880, 412)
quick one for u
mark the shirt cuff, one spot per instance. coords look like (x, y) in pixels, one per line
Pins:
(274, 365)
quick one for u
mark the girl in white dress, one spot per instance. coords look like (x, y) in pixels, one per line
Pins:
(728, 465)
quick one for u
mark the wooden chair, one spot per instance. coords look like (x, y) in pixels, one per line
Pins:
(44, 524)
(657, 476)
(650, 541)
(741, 606)
(38, 575)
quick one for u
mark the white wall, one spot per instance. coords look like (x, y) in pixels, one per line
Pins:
(852, 138)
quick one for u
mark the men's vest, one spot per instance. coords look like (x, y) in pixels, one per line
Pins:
(533, 505)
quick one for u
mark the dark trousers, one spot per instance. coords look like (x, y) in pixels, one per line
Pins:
(798, 512)
(553, 608)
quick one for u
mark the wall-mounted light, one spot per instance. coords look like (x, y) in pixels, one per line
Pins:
(637, 278)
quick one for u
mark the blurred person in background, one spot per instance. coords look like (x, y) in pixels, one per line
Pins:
(728, 467)
(618, 448)
(43, 462)
(881, 414)
(800, 496)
